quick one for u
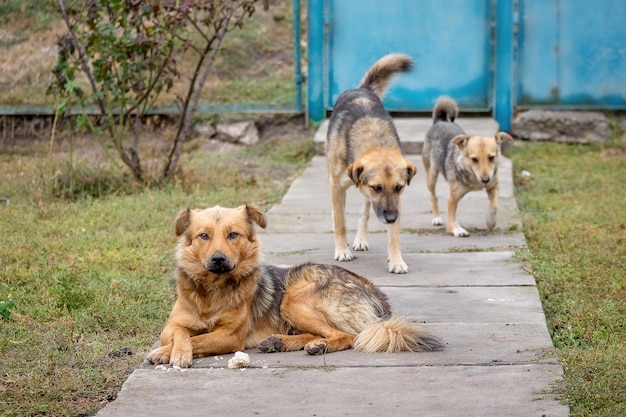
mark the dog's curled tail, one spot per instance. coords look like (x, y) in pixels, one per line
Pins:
(377, 78)
(446, 110)
(395, 335)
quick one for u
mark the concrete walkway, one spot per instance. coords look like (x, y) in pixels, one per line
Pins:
(498, 358)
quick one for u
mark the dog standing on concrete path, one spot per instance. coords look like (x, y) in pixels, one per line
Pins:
(227, 300)
(469, 163)
(363, 149)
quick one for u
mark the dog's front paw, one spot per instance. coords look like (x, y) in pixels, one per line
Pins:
(437, 221)
(491, 219)
(343, 255)
(160, 355)
(182, 357)
(398, 266)
(360, 245)
(271, 344)
(460, 232)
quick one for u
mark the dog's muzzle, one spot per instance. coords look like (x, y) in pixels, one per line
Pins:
(387, 216)
(486, 179)
(219, 264)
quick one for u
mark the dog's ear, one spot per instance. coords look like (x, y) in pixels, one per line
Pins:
(411, 170)
(503, 137)
(183, 220)
(255, 215)
(460, 141)
(355, 172)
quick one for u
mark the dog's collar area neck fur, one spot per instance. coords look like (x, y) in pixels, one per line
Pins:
(209, 282)
(465, 176)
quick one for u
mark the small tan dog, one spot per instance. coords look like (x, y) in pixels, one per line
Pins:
(363, 149)
(469, 163)
(229, 301)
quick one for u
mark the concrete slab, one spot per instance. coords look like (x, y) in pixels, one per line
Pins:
(516, 304)
(472, 216)
(461, 269)
(412, 131)
(308, 207)
(465, 344)
(352, 391)
(318, 247)
(498, 358)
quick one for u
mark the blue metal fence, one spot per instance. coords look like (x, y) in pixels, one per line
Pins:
(572, 53)
(356, 34)
(491, 55)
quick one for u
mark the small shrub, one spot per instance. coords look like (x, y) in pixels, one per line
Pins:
(5, 307)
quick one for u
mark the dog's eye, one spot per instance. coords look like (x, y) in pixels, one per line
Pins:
(233, 235)
(399, 188)
(376, 188)
(475, 160)
(492, 158)
(204, 236)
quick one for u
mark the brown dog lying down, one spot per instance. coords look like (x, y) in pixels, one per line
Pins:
(229, 301)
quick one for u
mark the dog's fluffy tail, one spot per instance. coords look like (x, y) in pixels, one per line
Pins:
(446, 110)
(395, 335)
(377, 78)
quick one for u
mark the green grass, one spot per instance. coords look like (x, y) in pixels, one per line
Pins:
(85, 265)
(574, 218)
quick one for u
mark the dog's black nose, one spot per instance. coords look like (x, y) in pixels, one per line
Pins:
(219, 264)
(218, 259)
(390, 216)
(485, 180)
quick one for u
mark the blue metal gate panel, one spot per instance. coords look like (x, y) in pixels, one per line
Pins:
(564, 53)
(572, 53)
(450, 42)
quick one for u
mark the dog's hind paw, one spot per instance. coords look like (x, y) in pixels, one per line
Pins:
(271, 344)
(316, 348)
(360, 246)
(460, 232)
(437, 221)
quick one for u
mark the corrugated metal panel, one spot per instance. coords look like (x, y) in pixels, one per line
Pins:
(564, 53)
(450, 42)
(572, 53)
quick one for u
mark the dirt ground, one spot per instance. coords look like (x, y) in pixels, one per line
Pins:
(36, 133)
